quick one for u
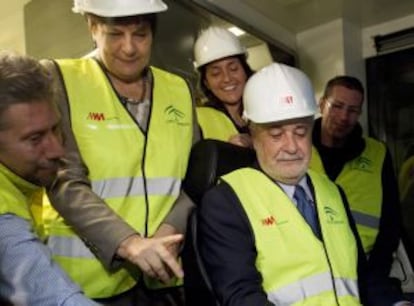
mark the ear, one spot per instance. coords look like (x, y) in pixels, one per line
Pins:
(93, 27)
(322, 104)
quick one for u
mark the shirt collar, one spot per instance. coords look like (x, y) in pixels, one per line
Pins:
(290, 189)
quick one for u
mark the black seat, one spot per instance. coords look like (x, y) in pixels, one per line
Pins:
(209, 160)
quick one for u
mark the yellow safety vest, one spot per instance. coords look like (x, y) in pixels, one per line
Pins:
(21, 198)
(139, 176)
(297, 268)
(406, 177)
(215, 124)
(17, 195)
(361, 180)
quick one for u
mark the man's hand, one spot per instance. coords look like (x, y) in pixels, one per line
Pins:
(152, 255)
(168, 230)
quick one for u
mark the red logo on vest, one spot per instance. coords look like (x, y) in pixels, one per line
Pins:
(269, 221)
(288, 99)
(96, 116)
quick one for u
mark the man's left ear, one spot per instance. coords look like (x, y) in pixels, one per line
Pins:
(322, 102)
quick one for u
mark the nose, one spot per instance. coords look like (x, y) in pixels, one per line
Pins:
(290, 143)
(226, 75)
(54, 146)
(343, 114)
(128, 44)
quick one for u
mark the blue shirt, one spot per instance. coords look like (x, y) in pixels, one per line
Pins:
(28, 275)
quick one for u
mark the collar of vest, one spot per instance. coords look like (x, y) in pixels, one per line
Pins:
(24, 186)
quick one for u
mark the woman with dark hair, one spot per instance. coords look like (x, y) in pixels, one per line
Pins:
(221, 61)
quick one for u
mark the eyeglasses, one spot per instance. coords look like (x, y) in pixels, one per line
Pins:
(338, 107)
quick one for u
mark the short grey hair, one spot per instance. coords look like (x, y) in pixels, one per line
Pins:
(22, 80)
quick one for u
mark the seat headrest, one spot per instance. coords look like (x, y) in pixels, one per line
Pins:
(211, 159)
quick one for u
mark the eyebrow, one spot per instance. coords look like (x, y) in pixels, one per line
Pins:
(41, 131)
(344, 103)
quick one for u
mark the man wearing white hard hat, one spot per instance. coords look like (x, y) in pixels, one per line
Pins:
(221, 61)
(129, 130)
(277, 233)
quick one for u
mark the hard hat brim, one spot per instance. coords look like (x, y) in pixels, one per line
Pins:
(122, 13)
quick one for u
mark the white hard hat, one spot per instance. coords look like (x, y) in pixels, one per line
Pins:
(278, 92)
(118, 8)
(216, 43)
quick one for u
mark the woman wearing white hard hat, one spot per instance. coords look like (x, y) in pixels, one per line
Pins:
(221, 61)
(129, 130)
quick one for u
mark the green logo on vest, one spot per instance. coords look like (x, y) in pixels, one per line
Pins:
(174, 115)
(362, 163)
(332, 215)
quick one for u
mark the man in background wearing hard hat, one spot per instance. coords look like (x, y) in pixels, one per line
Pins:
(278, 233)
(221, 61)
(128, 130)
(30, 149)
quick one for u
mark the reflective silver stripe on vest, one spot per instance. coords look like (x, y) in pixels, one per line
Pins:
(365, 219)
(346, 287)
(120, 187)
(310, 287)
(134, 186)
(69, 247)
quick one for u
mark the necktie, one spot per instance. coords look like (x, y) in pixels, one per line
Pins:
(306, 208)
